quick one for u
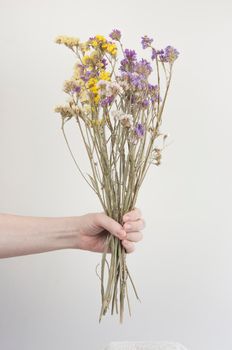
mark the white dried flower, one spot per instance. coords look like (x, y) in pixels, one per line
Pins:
(126, 119)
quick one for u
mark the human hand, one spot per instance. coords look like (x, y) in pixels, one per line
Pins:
(94, 227)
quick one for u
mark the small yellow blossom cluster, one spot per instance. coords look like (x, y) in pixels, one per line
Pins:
(100, 42)
(93, 88)
(67, 40)
(93, 60)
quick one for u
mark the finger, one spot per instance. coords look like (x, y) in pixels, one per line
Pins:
(131, 226)
(129, 246)
(134, 214)
(134, 236)
(111, 225)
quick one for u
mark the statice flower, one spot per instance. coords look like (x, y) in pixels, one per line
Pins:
(102, 84)
(146, 41)
(104, 63)
(125, 119)
(143, 67)
(113, 88)
(139, 130)
(170, 54)
(123, 83)
(128, 63)
(130, 54)
(107, 101)
(115, 35)
(156, 53)
(135, 80)
(145, 103)
(71, 86)
(109, 88)
(154, 93)
(76, 89)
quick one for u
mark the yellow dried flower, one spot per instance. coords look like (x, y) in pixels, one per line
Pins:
(104, 75)
(111, 49)
(68, 41)
(96, 98)
(94, 43)
(86, 60)
(100, 38)
(91, 83)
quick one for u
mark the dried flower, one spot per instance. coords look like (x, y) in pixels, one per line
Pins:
(125, 119)
(107, 101)
(66, 111)
(146, 42)
(143, 67)
(156, 53)
(139, 130)
(68, 41)
(71, 86)
(170, 54)
(115, 35)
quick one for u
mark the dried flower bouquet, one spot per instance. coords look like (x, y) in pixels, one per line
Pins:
(117, 104)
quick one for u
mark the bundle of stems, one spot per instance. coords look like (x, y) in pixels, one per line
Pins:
(119, 122)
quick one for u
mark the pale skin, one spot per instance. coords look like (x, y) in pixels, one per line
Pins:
(23, 235)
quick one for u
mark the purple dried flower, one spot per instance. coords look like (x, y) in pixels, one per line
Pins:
(137, 81)
(115, 34)
(145, 103)
(143, 67)
(156, 53)
(107, 101)
(86, 75)
(139, 130)
(146, 42)
(130, 54)
(128, 63)
(154, 93)
(104, 62)
(77, 89)
(170, 54)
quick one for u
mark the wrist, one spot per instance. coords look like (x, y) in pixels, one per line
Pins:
(67, 232)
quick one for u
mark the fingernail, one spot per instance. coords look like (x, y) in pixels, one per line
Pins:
(127, 226)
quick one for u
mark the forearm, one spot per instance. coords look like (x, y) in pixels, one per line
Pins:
(22, 235)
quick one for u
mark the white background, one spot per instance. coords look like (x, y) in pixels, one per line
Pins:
(183, 267)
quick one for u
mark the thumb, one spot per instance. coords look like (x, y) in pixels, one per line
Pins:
(111, 226)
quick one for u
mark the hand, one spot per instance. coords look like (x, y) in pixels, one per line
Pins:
(94, 228)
